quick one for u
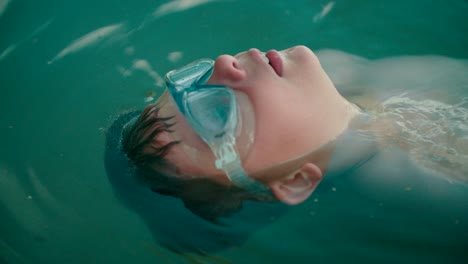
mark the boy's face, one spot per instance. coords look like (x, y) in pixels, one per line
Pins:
(283, 98)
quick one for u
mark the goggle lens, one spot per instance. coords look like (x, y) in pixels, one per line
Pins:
(212, 110)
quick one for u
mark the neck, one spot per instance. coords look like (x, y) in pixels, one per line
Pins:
(351, 148)
(332, 121)
(355, 146)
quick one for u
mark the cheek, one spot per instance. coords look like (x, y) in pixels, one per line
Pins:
(281, 119)
(275, 131)
(282, 125)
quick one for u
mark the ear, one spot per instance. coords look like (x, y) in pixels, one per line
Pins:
(297, 186)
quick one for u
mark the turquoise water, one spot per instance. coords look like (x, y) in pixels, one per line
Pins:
(68, 67)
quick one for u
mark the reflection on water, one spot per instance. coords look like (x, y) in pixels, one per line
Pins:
(171, 7)
(31, 205)
(326, 9)
(179, 5)
(88, 40)
(7, 51)
(144, 67)
(36, 32)
(3, 6)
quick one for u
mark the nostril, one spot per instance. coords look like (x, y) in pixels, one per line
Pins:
(227, 69)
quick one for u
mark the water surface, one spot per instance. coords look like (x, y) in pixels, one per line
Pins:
(68, 68)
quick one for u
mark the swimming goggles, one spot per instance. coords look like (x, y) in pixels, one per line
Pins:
(212, 112)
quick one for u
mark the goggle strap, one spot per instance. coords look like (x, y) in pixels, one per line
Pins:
(239, 177)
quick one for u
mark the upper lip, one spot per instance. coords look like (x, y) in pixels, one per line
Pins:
(275, 61)
(272, 57)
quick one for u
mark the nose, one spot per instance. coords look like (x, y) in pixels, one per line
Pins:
(227, 71)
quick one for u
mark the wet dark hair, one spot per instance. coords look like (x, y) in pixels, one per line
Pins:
(147, 158)
(138, 134)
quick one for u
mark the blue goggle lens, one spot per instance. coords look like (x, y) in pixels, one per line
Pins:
(211, 110)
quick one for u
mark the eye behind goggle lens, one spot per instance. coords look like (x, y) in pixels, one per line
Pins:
(212, 110)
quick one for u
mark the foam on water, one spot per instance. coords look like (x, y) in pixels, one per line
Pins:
(435, 133)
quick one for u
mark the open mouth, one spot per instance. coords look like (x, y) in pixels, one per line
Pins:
(272, 57)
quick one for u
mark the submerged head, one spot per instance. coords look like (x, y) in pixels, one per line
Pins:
(268, 109)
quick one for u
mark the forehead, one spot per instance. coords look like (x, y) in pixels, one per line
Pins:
(163, 99)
